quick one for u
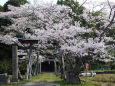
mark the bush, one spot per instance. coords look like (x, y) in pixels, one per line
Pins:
(113, 66)
(6, 66)
(23, 67)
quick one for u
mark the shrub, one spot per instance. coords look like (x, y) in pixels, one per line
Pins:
(5, 66)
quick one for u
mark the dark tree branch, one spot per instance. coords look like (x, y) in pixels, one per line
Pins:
(109, 4)
(110, 8)
(82, 4)
(111, 22)
(106, 28)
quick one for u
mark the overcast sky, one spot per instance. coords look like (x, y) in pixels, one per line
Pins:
(89, 4)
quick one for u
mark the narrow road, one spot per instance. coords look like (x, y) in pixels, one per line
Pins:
(40, 84)
(45, 79)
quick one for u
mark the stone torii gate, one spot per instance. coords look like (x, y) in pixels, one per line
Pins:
(15, 68)
(37, 64)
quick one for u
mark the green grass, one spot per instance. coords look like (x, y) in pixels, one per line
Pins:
(104, 78)
(46, 77)
(98, 80)
(101, 79)
(56, 79)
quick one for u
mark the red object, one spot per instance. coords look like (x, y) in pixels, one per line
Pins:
(87, 67)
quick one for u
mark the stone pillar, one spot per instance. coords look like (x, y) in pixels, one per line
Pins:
(14, 64)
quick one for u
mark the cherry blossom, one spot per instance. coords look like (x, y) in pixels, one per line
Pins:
(54, 23)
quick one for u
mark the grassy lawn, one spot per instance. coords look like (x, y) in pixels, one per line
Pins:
(98, 80)
(101, 79)
(104, 78)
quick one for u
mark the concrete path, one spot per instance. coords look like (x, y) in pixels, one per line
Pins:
(46, 76)
(40, 84)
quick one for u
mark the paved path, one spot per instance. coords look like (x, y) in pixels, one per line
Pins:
(40, 84)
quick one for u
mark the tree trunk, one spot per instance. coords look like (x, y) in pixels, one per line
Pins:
(36, 65)
(63, 75)
(72, 73)
(29, 66)
(72, 78)
(19, 75)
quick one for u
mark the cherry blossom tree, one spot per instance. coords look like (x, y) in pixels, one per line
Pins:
(54, 26)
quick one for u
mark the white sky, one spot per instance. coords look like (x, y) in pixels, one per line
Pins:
(89, 4)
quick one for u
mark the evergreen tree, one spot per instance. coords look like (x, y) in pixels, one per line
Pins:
(14, 3)
(1, 8)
